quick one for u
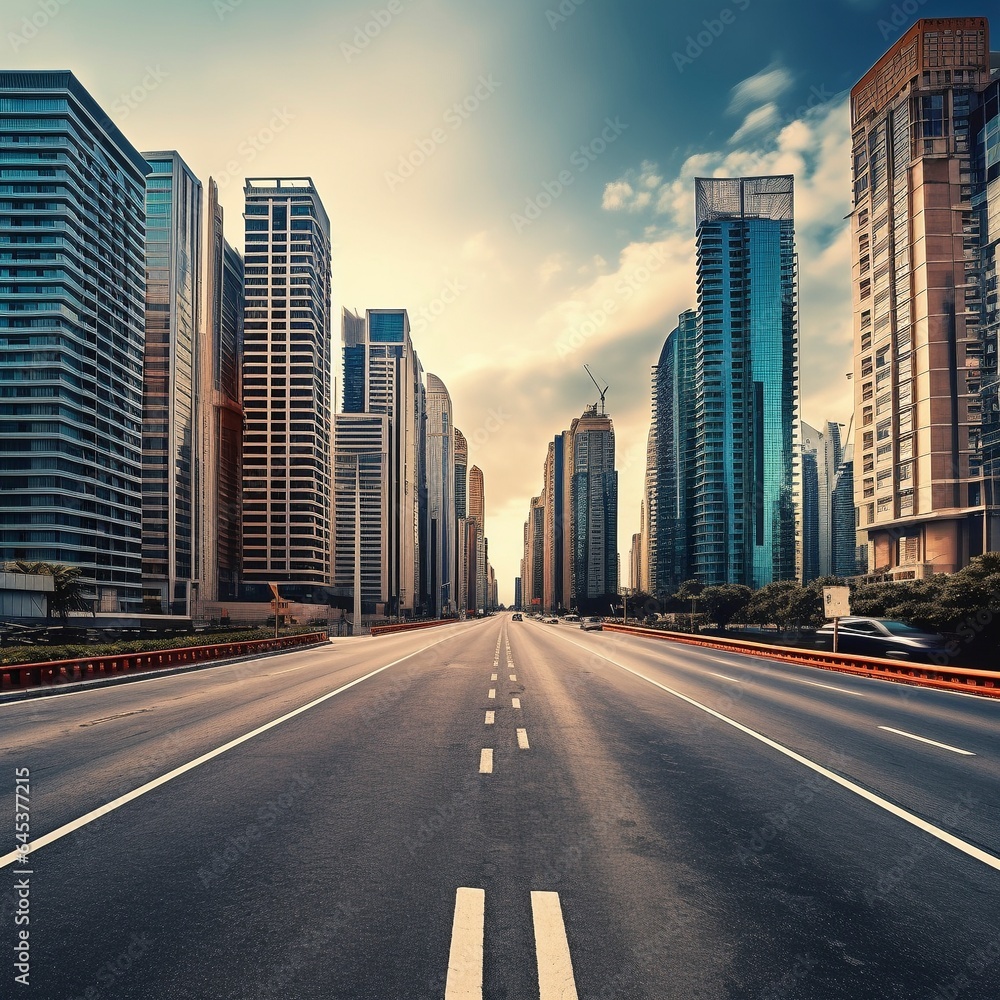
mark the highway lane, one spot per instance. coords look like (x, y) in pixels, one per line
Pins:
(325, 856)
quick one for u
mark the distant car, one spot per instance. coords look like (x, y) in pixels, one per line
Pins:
(551, 621)
(885, 638)
(516, 618)
(592, 625)
(571, 618)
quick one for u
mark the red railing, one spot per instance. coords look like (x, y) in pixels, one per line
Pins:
(408, 626)
(981, 682)
(83, 668)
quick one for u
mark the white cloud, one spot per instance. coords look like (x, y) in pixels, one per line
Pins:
(761, 88)
(759, 120)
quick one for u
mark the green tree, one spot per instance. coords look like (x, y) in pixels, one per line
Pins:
(66, 595)
(723, 603)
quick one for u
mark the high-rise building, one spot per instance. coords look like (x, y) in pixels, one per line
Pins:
(476, 540)
(917, 340)
(985, 458)
(821, 459)
(671, 484)
(557, 573)
(517, 593)
(461, 514)
(745, 383)
(219, 481)
(382, 375)
(594, 504)
(440, 445)
(361, 498)
(170, 373)
(72, 329)
(287, 451)
(844, 558)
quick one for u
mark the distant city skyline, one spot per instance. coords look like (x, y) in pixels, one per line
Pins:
(586, 125)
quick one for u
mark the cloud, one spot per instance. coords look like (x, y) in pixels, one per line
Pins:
(634, 191)
(759, 120)
(761, 88)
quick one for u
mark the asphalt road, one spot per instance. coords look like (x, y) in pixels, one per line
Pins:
(504, 810)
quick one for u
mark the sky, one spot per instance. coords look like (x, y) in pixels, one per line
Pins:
(518, 174)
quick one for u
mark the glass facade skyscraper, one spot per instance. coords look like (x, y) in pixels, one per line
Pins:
(72, 286)
(173, 322)
(745, 383)
(287, 390)
(440, 443)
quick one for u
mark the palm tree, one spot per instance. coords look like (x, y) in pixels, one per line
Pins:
(65, 596)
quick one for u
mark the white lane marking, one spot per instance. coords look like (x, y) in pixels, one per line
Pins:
(829, 687)
(923, 739)
(490, 718)
(555, 967)
(513, 677)
(735, 680)
(465, 960)
(515, 702)
(493, 693)
(291, 669)
(522, 739)
(68, 828)
(890, 807)
(493, 677)
(486, 762)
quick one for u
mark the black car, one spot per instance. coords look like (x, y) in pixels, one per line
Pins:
(516, 617)
(885, 638)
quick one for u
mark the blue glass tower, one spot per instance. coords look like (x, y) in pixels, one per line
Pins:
(745, 385)
(72, 285)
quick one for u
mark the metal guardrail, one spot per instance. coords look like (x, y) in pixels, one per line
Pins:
(408, 626)
(981, 682)
(20, 676)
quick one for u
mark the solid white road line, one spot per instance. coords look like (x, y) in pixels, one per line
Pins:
(493, 693)
(522, 739)
(923, 739)
(555, 967)
(515, 702)
(68, 828)
(486, 762)
(890, 807)
(490, 718)
(465, 960)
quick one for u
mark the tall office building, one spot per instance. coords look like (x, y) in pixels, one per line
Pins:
(440, 445)
(917, 340)
(170, 373)
(72, 329)
(361, 497)
(219, 520)
(745, 383)
(475, 540)
(821, 459)
(985, 459)
(461, 514)
(382, 375)
(287, 451)
(557, 590)
(844, 547)
(671, 485)
(594, 504)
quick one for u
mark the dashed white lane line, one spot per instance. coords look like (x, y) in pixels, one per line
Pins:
(923, 739)
(971, 850)
(14, 856)
(555, 966)
(513, 677)
(493, 677)
(829, 687)
(522, 739)
(515, 702)
(465, 960)
(735, 680)
(493, 693)
(490, 718)
(486, 762)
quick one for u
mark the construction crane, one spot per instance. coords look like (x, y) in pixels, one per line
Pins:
(603, 391)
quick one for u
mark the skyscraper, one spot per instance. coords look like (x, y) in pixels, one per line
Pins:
(382, 375)
(287, 450)
(917, 341)
(844, 548)
(594, 504)
(170, 374)
(476, 547)
(821, 459)
(72, 323)
(219, 521)
(461, 513)
(440, 438)
(745, 383)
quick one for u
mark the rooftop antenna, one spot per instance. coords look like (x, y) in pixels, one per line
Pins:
(603, 391)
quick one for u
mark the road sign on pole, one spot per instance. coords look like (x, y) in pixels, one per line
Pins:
(836, 604)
